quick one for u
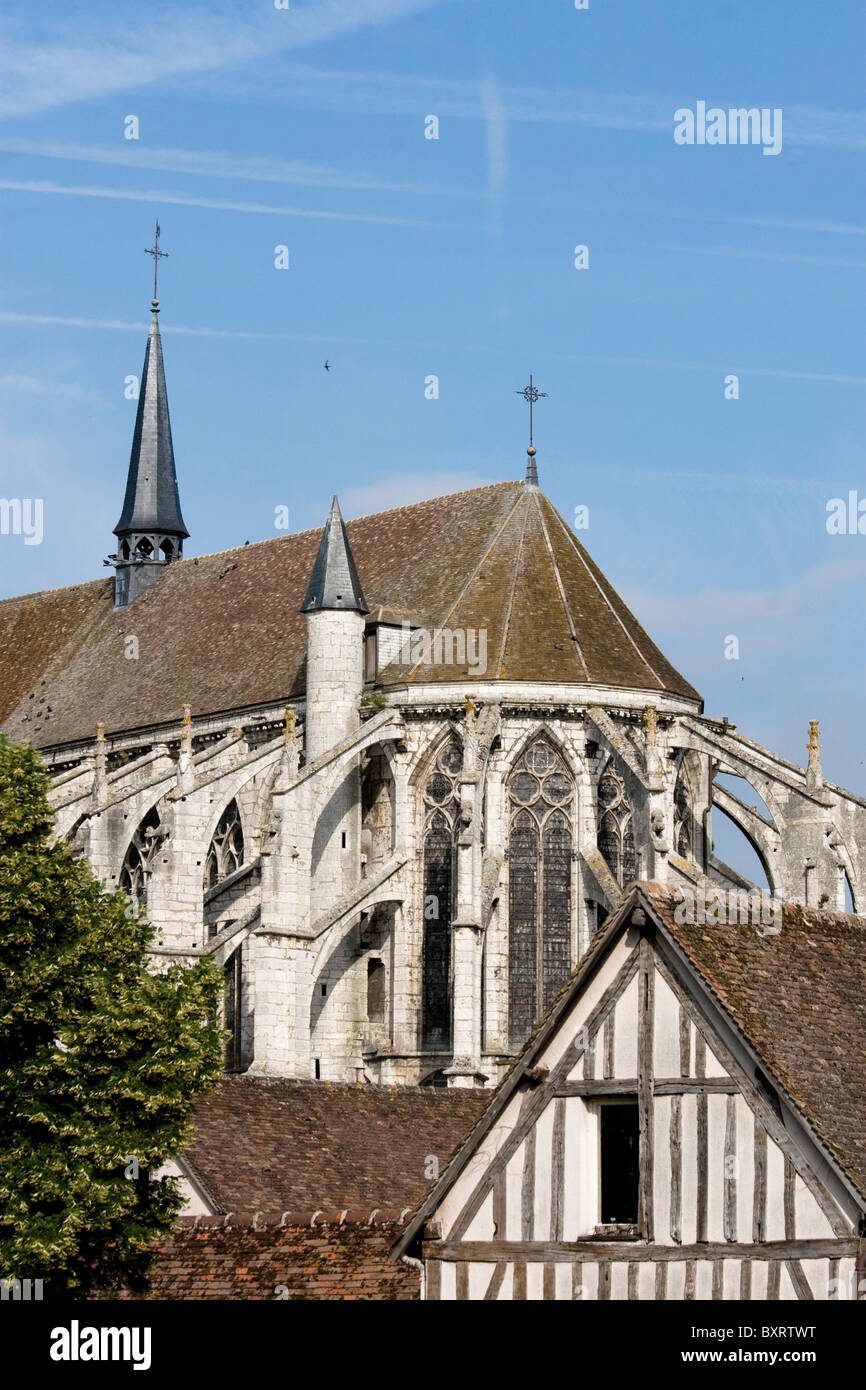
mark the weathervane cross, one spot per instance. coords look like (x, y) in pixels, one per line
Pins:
(156, 253)
(531, 394)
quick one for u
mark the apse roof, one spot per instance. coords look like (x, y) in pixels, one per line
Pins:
(225, 631)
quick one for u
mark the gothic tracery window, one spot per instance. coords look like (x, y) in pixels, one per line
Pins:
(138, 863)
(226, 851)
(540, 794)
(615, 826)
(441, 815)
(684, 839)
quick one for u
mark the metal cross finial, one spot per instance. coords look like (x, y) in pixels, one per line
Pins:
(156, 253)
(531, 394)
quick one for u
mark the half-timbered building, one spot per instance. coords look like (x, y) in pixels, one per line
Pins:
(688, 1122)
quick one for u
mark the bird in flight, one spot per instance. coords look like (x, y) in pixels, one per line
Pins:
(327, 365)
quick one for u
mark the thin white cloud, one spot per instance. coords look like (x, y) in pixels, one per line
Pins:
(795, 225)
(266, 169)
(71, 65)
(48, 186)
(124, 326)
(726, 367)
(496, 150)
(495, 136)
(781, 256)
(387, 93)
(777, 617)
(46, 387)
(217, 164)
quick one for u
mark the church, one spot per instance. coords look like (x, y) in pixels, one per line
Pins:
(394, 776)
(290, 757)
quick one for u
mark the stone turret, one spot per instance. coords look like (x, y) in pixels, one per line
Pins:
(335, 609)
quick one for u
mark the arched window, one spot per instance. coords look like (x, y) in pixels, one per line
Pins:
(376, 1000)
(615, 826)
(441, 808)
(226, 851)
(167, 550)
(137, 865)
(232, 1016)
(540, 795)
(144, 548)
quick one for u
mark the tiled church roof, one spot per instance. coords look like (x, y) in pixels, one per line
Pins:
(225, 632)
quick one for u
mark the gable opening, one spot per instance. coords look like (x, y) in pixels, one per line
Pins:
(619, 1162)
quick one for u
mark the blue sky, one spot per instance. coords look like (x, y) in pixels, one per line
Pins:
(410, 257)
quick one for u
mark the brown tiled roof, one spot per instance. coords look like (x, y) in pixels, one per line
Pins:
(271, 1146)
(799, 997)
(225, 632)
(322, 1263)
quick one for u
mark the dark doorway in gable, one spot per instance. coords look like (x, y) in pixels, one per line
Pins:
(620, 1149)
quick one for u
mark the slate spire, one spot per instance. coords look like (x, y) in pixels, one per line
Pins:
(151, 528)
(334, 582)
(531, 394)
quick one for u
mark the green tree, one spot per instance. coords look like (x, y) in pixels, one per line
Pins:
(100, 1059)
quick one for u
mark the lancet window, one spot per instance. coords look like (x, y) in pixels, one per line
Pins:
(616, 827)
(441, 815)
(541, 797)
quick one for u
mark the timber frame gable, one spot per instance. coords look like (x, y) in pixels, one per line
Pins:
(736, 1194)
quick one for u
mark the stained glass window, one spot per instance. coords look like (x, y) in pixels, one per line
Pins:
(441, 808)
(540, 794)
(615, 828)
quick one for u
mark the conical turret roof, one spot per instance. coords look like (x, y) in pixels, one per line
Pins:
(152, 502)
(334, 582)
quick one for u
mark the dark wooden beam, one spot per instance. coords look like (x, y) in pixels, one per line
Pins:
(664, 1086)
(529, 1251)
(676, 1170)
(645, 1025)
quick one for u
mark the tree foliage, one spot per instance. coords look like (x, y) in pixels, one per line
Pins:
(100, 1059)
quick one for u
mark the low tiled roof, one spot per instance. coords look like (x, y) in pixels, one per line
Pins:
(799, 997)
(299, 1147)
(296, 1262)
(225, 631)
